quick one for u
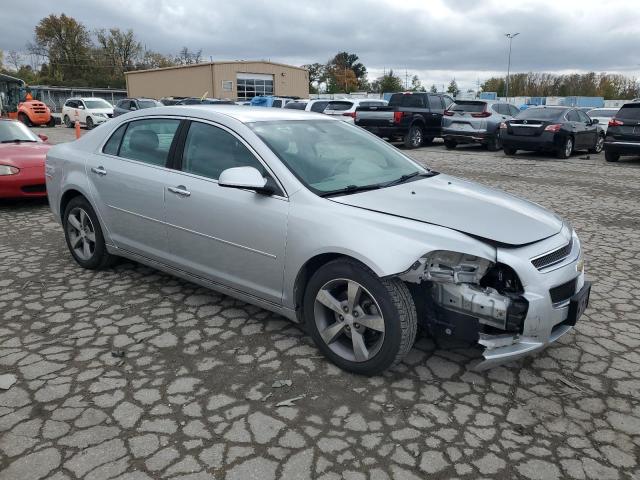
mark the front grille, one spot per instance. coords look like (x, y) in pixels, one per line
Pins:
(563, 292)
(40, 188)
(552, 258)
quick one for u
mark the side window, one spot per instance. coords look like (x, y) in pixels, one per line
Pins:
(513, 110)
(277, 104)
(149, 141)
(113, 144)
(573, 116)
(413, 101)
(71, 104)
(209, 150)
(584, 118)
(435, 102)
(319, 107)
(498, 108)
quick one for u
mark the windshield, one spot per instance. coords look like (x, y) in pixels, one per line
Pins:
(12, 131)
(473, 107)
(630, 111)
(148, 103)
(328, 156)
(540, 113)
(97, 103)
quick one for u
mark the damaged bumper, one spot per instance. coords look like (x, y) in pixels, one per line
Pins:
(529, 298)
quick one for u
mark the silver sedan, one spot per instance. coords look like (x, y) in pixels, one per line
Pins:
(323, 223)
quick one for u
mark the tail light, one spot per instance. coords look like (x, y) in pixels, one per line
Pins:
(503, 125)
(484, 114)
(397, 117)
(349, 114)
(614, 122)
(448, 113)
(555, 127)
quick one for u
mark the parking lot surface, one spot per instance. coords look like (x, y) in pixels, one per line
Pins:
(130, 373)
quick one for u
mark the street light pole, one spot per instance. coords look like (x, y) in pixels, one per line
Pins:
(510, 36)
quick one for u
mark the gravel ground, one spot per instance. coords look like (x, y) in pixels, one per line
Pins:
(190, 393)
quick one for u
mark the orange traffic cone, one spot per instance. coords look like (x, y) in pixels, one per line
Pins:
(77, 129)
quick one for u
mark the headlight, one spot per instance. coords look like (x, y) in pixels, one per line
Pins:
(454, 267)
(102, 115)
(8, 170)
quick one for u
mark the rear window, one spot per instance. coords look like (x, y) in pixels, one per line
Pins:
(406, 100)
(339, 106)
(147, 103)
(630, 111)
(472, 107)
(295, 105)
(541, 113)
(602, 113)
(371, 104)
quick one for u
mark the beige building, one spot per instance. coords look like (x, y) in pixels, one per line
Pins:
(240, 80)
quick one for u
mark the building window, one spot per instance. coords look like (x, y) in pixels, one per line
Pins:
(250, 86)
(227, 85)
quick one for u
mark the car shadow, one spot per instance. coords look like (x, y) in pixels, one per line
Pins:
(23, 203)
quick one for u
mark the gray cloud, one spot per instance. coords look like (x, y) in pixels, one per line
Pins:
(436, 39)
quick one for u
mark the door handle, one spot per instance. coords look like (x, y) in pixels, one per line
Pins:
(180, 190)
(99, 170)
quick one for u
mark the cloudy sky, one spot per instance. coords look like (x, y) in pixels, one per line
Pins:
(435, 39)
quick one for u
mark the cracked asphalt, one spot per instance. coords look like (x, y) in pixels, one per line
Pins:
(132, 374)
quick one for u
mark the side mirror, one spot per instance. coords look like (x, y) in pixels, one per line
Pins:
(245, 177)
(134, 108)
(43, 137)
(595, 121)
(80, 107)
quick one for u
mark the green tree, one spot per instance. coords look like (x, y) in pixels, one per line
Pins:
(433, 88)
(453, 88)
(388, 83)
(317, 75)
(337, 69)
(416, 85)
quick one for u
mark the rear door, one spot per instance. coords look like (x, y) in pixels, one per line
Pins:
(128, 178)
(578, 128)
(434, 117)
(590, 131)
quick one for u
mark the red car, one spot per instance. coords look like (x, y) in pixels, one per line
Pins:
(22, 156)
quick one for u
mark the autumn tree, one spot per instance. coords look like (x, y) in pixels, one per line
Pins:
(345, 65)
(119, 48)
(187, 57)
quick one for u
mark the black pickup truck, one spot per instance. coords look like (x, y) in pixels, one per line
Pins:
(413, 117)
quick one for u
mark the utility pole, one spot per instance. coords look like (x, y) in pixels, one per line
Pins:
(510, 36)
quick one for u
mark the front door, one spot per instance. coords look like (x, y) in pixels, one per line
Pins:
(127, 181)
(231, 236)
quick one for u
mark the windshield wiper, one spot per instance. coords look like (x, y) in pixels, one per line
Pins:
(350, 189)
(17, 140)
(408, 176)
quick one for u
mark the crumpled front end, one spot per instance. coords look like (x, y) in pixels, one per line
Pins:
(512, 306)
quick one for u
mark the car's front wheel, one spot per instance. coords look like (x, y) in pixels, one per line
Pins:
(84, 235)
(361, 322)
(89, 123)
(67, 121)
(597, 148)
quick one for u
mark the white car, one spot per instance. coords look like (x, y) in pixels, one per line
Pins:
(89, 111)
(317, 105)
(345, 109)
(603, 115)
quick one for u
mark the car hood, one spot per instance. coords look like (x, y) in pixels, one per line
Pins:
(106, 111)
(23, 155)
(463, 206)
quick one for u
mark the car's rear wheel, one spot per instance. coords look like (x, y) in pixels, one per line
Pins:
(84, 235)
(361, 322)
(494, 143)
(24, 119)
(89, 123)
(450, 144)
(611, 157)
(509, 150)
(67, 121)
(566, 149)
(414, 137)
(598, 146)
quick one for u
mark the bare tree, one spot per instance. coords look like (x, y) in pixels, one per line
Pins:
(15, 59)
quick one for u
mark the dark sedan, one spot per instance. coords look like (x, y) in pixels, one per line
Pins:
(555, 129)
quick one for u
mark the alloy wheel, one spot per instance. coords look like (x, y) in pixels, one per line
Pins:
(82, 234)
(416, 138)
(349, 320)
(599, 144)
(568, 147)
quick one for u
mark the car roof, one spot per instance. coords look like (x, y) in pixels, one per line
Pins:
(241, 113)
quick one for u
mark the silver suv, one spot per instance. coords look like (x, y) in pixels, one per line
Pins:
(475, 121)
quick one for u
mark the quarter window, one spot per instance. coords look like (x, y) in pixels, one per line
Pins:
(319, 106)
(209, 150)
(435, 102)
(149, 141)
(573, 116)
(113, 144)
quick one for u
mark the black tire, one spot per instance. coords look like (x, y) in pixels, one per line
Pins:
(494, 143)
(396, 307)
(89, 123)
(67, 121)
(427, 140)
(599, 145)
(414, 137)
(509, 150)
(566, 149)
(99, 258)
(22, 117)
(611, 157)
(51, 123)
(450, 144)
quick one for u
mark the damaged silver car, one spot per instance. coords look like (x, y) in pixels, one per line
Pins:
(323, 223)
